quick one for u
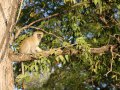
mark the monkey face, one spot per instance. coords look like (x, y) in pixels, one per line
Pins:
(39, 36)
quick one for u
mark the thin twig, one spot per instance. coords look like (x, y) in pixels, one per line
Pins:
(27, 26)
(19, 11)
(116, 72)
(47, 32)
(111, 61)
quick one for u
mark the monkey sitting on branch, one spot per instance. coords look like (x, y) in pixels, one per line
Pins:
(30, 44)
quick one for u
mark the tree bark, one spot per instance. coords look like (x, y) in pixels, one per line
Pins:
(7, 16)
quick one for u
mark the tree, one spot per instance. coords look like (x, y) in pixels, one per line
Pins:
(7, 14)
(82, 36)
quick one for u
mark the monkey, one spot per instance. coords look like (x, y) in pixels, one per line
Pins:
(30, 44)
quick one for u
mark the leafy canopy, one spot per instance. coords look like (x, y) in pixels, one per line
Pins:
(75, 25)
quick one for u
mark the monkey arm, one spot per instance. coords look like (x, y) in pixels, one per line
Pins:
(38, 49)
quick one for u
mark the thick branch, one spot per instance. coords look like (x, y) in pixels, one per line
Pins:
(101, 49)
(57, 51)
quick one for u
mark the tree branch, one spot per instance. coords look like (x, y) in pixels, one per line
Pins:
(47, 32)
(57, 51)
(51, 16)
(27, 26)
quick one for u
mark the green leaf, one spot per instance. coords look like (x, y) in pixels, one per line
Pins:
(62, 58)
(36, 68)
(96, 1)
(67, 58)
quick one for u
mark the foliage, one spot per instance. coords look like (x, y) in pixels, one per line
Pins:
(80, 25)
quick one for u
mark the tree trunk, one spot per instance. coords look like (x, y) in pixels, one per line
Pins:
(6, 75)
(7, 17)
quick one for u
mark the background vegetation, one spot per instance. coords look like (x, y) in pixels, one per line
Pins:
(77, 26)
